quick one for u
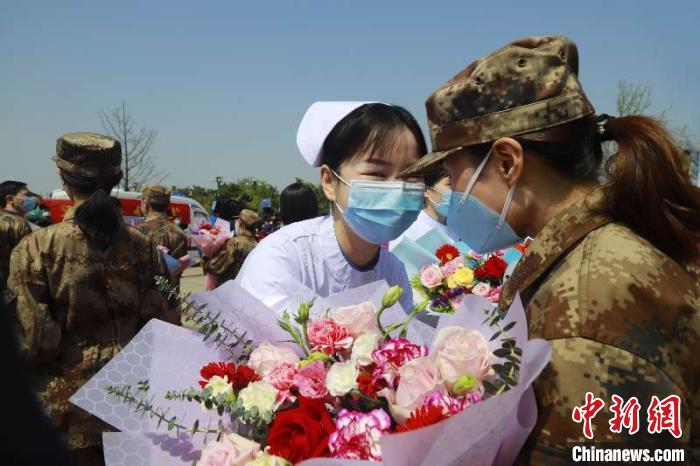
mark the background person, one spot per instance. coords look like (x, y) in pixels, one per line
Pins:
(158, 226)
(13, 225)
(434, 213)
(360, 148)
(83, 287)
(297, 203)
(611, 278)
(228, 261)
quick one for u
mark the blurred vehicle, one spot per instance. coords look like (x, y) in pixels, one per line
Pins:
(183, 210)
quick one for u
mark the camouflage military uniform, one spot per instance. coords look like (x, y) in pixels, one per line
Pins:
(622, 319)
(13, 228)
(77, 307)
(228, 261)
(165, 233)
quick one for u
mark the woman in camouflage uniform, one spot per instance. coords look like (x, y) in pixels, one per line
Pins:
(611, 279)
(83, 287)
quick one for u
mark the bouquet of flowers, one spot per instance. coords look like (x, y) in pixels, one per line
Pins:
(210, 238)
(447, 283)
(343, 386)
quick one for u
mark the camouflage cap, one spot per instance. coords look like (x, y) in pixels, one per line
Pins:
(249, 218)
(527, 86)
(157, 194)
(89, 155)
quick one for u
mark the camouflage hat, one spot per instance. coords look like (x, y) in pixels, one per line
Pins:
(527, 86)
(89, 156)
(157, 194)
(248, 217)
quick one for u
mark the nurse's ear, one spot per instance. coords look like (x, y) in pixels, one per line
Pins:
(508, 154)
(328, 182)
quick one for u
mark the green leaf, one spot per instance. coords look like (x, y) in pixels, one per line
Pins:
(509, 326)
(495, 335)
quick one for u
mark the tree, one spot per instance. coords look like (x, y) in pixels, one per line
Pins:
(632, 99)
(137, 163)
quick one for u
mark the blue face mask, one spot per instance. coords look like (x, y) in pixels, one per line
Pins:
(379, 211)
(442, 207)
(28, 204)
(481, 227)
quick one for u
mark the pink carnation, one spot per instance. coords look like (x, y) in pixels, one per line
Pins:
(452, 266)
(311, 381)
(357, 435)
(494, 295)
(282, 378)
(328, 336)
(392, 355)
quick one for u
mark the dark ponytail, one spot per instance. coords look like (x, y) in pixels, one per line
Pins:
(97, 217)
(647, 188)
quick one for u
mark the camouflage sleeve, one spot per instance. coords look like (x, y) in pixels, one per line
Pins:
(40, 334)
(223, 259)
(581, 365)
(179, 242)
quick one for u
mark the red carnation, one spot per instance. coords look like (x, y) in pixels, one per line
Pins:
(492, 270)
(239, 376)
(221, 369)
(301, 433)
(243, 376)
(446, 253)
(369, 385)
(422, 417)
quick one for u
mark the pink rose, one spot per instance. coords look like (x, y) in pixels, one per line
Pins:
(452, 266)
(393, 354)
(327, 336)
(431, 276)
(475, 255)
(232, 450)
(418, 379)
(266, 357)
(311, 381)
(282, 378)
(457, 351)
(481, 289)
(357, 319)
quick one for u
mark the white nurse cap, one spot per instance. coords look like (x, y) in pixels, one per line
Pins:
(319, 120)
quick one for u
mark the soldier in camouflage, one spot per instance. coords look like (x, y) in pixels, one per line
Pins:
(13, 225)
(83, 287)
(228, 261)
(611, 278)
(158, 226)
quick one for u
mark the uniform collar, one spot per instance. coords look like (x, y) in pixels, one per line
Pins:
(425, 217)
(153, 215)
(11, 212)
(70, 213)
(556, 239)
(342, 270)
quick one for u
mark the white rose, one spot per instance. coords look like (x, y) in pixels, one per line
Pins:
(220, 386)
(363, 347)
(259, 395)
(266, 357)
(458, 351)
(342, 378)
(265, 459)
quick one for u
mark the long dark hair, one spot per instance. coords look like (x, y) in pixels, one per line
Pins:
(644, 184)
(368, 124)
(97, 217)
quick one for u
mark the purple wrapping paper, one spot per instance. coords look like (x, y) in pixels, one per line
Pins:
(490, 432)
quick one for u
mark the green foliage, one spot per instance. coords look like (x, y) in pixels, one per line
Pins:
(256, 188)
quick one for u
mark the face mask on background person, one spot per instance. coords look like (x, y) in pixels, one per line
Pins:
(442, 207)
(27, 204)
(379, 211)
(481, 227)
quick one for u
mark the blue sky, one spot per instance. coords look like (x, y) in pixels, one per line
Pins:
(226, 83)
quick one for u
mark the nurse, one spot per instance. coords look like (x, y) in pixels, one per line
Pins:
(434, 213)
(360, 148)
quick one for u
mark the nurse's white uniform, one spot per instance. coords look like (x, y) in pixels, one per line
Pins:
(423, 224)
(308, 253)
